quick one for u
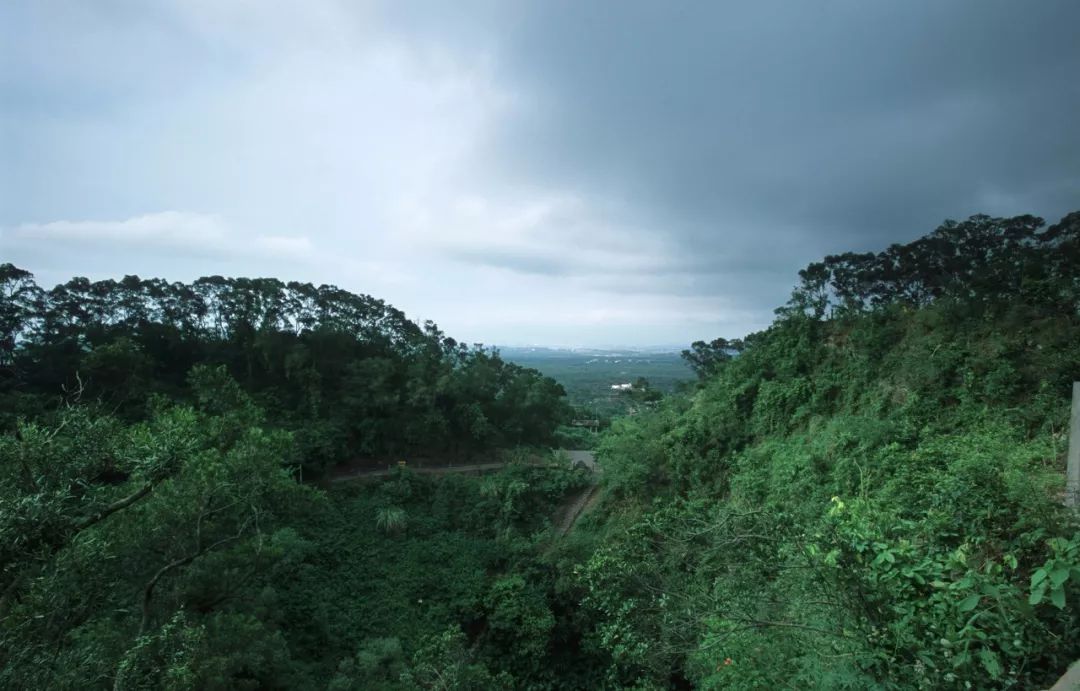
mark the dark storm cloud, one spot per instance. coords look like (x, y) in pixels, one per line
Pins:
(783, 130)
(539, 171)
(751, 280)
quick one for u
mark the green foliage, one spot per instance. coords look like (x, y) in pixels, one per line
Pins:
(519, 625)
(866, 501)
(379, 665)
(939, 616)
(114, 529)
(391, 519)
(706, 359)
(864, 495)
(348, 374)
(467, 562)
(166, 659)
(588, 376)
(632, 455)
(567, 437)
(181, 553)
(444, 662)
(1051, 581)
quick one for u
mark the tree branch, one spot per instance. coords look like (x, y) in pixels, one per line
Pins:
(118, 505)
(148, 590)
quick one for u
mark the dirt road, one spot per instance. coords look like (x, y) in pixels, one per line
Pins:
(428, 470)
(572, 509)
(584, 498)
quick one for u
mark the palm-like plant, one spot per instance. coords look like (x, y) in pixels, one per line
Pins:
(391, 519)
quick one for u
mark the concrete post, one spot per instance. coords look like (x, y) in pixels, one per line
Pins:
(1072, 470)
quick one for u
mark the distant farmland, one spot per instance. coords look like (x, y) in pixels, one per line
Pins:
(587, 375)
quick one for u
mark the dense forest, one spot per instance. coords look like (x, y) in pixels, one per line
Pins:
(866, 494)
(347, 374)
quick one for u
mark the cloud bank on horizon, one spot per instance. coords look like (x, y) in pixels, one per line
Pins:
(537, 172)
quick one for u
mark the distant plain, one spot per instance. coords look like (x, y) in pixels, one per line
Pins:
(588, 374)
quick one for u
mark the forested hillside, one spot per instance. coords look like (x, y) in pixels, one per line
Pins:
(349, 375)
(154, 528)
(867, 494)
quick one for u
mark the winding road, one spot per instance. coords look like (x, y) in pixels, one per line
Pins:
(571, 510)
(584, 498)
(424, 470)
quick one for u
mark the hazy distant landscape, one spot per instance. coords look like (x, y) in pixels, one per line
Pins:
(588, 374)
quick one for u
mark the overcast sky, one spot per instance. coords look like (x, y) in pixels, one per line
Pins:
(543, 172)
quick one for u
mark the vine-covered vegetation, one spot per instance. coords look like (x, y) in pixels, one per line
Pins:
(867, 494)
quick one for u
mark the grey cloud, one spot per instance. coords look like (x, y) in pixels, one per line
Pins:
(744, 280)
(865, 121)
(519, 262)
(601, 155)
